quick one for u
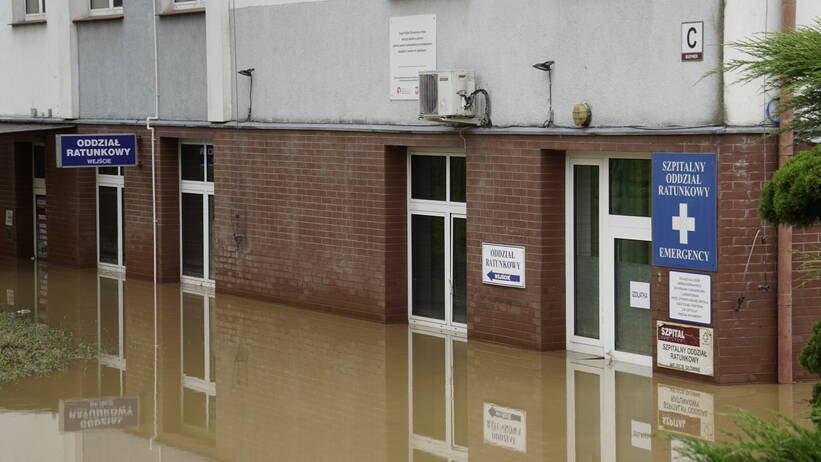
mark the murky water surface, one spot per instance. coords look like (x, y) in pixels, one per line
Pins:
(241, 380)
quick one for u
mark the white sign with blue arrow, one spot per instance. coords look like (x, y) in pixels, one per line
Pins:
(503, 265)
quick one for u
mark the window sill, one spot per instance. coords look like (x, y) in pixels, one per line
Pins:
(107, 17)
(180, 11)
(27, 22)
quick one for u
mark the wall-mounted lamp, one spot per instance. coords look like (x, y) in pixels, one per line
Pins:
(582, 114)
(544, 66)
(547, 66)
(249, 73)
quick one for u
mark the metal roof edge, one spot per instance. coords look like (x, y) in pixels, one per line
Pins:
(416, 129)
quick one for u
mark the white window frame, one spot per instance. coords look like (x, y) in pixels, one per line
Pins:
(611, 227)
(117, 182)
(109, 10)
(206, 189)
(35, 16)
(205, 385)
(447, 449)
(188, 4)
(448, 211)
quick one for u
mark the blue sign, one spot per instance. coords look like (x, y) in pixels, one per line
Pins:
(684, 211)
(96, 150)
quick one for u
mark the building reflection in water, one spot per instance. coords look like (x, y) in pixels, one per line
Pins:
(111, 367)
(198, 365)
(303, 385)
(437, 371)
(610, 412)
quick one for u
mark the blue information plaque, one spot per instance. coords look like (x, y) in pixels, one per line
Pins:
(96, 150)
(685, 211)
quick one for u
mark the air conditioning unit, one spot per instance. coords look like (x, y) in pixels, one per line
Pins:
(443, 95)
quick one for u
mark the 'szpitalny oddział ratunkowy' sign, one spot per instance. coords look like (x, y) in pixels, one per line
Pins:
(684, 348)
(684, 211)
(92, 414)
(685, 411)
(503, 265)
(96, 150)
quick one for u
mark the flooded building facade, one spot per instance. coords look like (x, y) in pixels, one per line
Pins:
(281, 157)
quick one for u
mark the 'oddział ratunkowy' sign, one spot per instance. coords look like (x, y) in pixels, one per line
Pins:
(684, 348)
(505, 427)
(96, 150)
(503, 265)
(92, 414)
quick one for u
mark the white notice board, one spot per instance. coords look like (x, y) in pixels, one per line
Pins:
(690, 297)
(503, 265)
(412, 49)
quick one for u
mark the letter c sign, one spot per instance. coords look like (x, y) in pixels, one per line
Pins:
(692, 41)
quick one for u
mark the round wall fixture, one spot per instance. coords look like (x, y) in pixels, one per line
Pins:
(582, 114)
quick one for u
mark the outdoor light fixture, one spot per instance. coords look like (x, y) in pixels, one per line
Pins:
(582, 114)
(544, 66)
(547, 66)
(249, 73)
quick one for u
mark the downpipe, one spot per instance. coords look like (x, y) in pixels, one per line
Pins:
(785, 234)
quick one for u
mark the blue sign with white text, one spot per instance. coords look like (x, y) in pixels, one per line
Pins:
(96, 150)
(684, 211)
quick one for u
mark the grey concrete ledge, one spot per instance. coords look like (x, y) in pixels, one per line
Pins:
(418, 129)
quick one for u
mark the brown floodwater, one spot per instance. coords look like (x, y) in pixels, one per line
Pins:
(229, 378)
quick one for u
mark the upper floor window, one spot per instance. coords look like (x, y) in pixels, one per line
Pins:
(106, 6)
(180, 4)
(35, 7)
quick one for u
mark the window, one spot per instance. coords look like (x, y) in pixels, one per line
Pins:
(437, 238)
(110, 218)
(100, 7)
(181, 4)
(35, 7)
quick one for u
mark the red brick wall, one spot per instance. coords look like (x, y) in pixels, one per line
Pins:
(8, 196)
(515, 196)
(318, 220)
(746, 331)
(322, 217)
(806, 296)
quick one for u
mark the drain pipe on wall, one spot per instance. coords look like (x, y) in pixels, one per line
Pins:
(148, 126)
(785, 241)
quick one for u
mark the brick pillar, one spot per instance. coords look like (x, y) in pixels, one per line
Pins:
(516, 197)
(396, 245)
(138, 212)
(71, 195)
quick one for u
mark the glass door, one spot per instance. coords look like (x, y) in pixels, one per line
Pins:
(197, 213)
(110, 219)
(437, 241)
(608, 249)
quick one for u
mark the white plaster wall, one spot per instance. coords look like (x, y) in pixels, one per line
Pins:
(745, 104)
(328, 61)
(38, 63)
(35, 437)
(807, 12)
